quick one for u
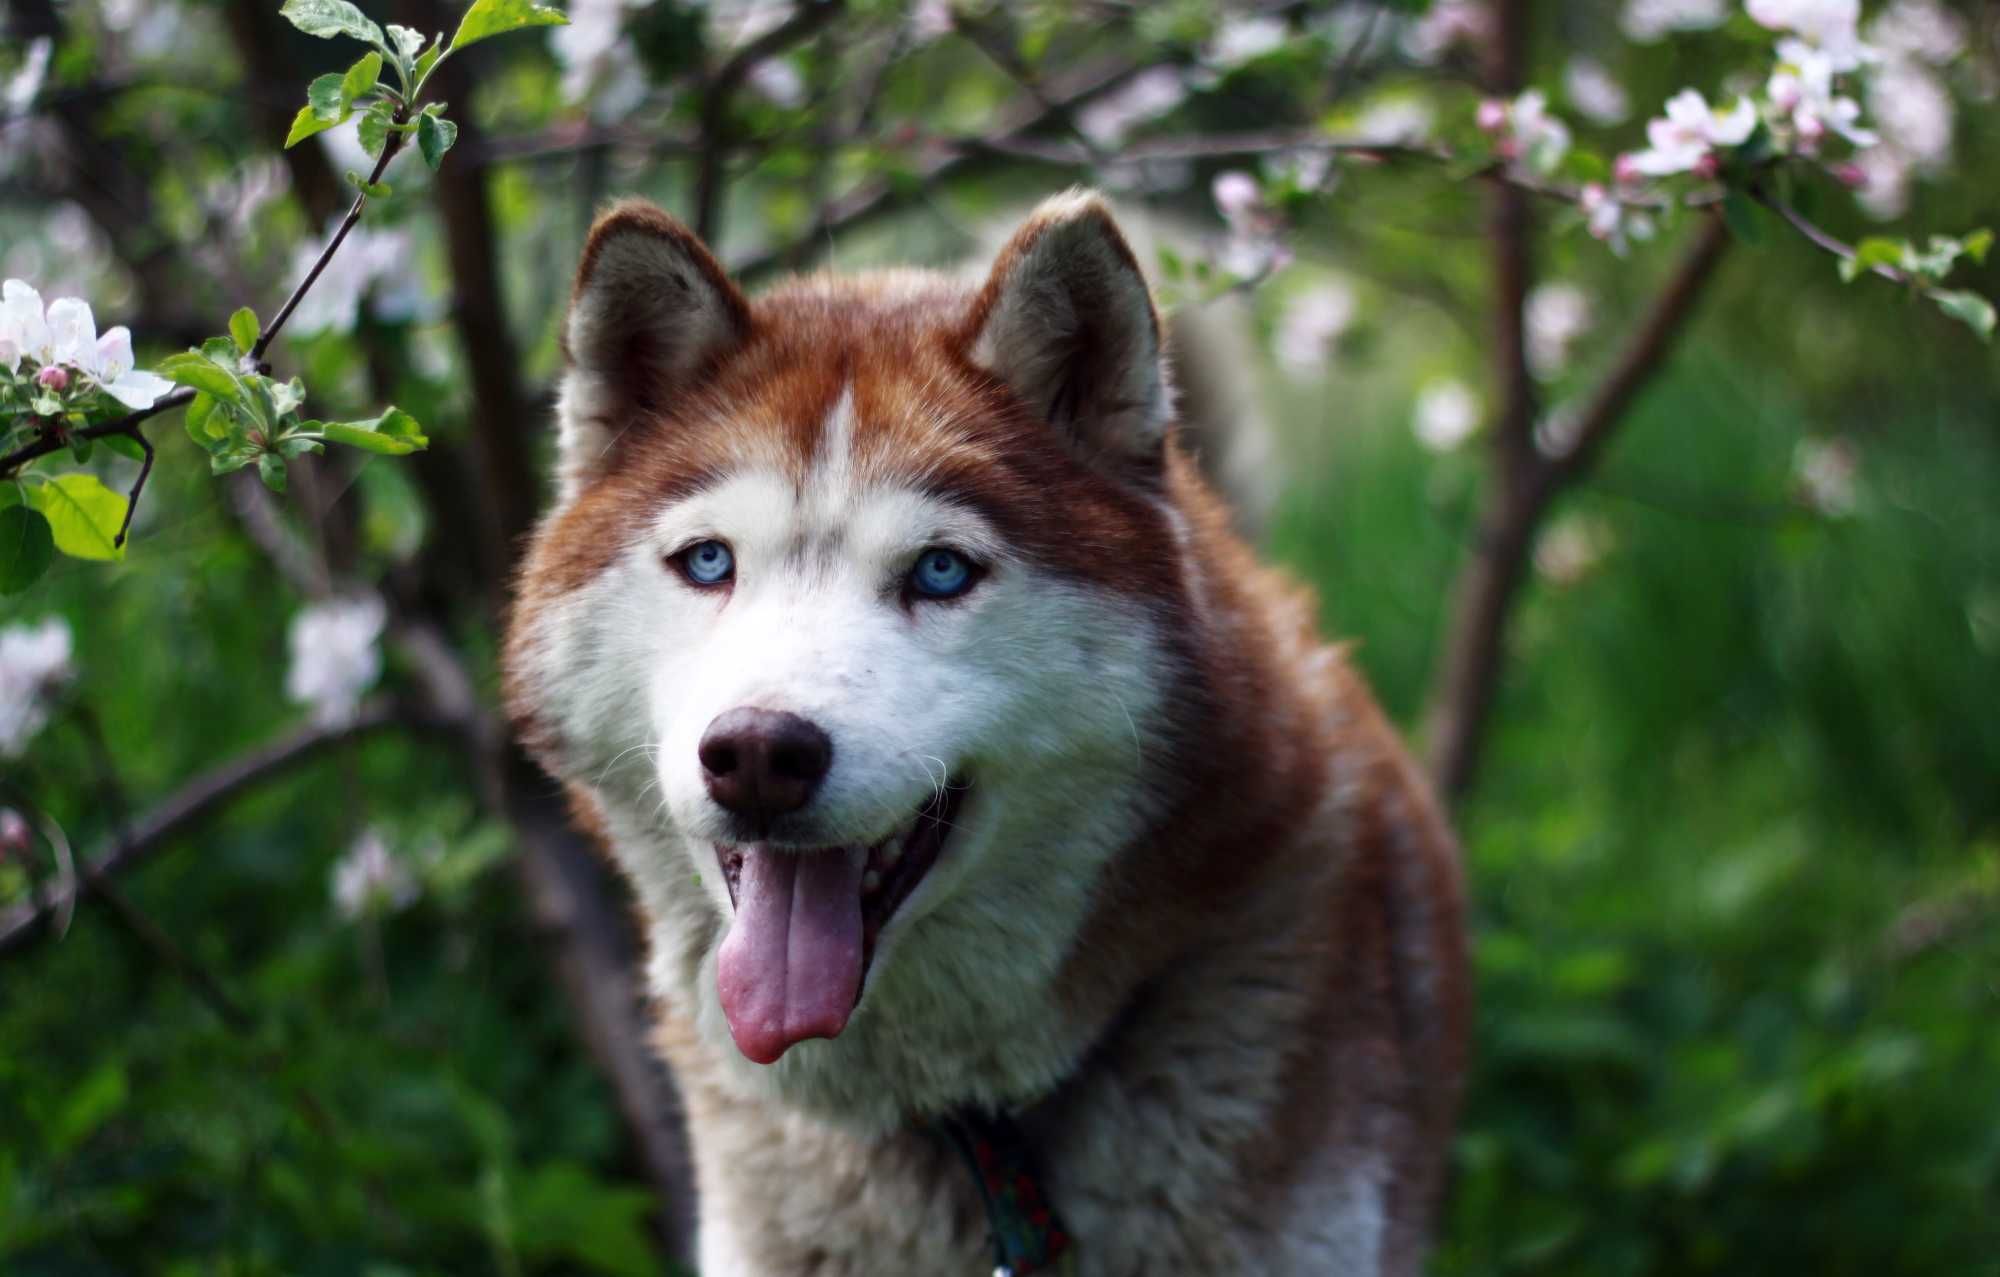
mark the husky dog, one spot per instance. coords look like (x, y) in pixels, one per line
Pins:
(965, 761)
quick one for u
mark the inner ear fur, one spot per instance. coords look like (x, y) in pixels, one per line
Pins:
(1065, 319)
(652, 312)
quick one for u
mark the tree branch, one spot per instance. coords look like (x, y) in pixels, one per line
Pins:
(713, 145)
(193, 803)
(1525, 484)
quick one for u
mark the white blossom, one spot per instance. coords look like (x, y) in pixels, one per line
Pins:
(1690, 132)
(1395, 121)
(1804, 98)
(1557, 315)
(34, 664)
(777, 81)
(66, 335)
(1571, 547)
(368, 880)
(1146, 96)
(1245, 38)
(1447, 414)
(1447, 25)
(371, 264)
(1831, 26)
(931, 20)
(335, 657)
(1918, 30)
(1913, 109)
(1649, 20)
(599, 63)
(1595, 92)
(1536, 135)
(1313, 321)
(1886, 176)
(1824, 476)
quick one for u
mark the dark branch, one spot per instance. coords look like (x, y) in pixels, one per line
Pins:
(199, 799)
(395, 144)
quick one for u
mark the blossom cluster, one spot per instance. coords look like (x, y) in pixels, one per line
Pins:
(336, 656)
(57, 351)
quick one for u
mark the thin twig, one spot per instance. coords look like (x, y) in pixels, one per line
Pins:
(1822, 239)
(132, 500)
(270, 333)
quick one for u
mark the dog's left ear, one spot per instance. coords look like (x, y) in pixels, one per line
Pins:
(1067, 322)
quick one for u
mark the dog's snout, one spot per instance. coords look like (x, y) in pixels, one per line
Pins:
(763, 763)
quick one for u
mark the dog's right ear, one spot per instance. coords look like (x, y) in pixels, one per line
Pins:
(651, 315)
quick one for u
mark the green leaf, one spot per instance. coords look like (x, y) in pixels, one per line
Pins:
(374, 128)
(229, 460)
(245, 329)
(304, 125)
(125, 446)
(329, 18)
(201, 424)
(328, 98)
(202, 373)
(1874, 251)
(393, 434)
(291, 447)
(1741, 215)
(428, 59)
(271, 469)
(27, 546)
(80, 449)
(1978, 244)
(362, 76)
(496, 17)
(1968, 308)
(83, 515)
(373, 190)
(434, 137)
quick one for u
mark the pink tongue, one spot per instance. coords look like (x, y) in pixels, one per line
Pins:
(790, 967)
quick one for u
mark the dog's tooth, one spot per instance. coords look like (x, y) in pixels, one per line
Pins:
(871, 882)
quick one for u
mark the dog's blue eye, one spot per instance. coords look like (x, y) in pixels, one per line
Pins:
(708, 563)
(941, 574)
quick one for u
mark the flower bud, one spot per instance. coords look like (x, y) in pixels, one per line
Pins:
(1852, 176)
(1625, 170)
(1708, 167)
(53, 377)
(1492, 115)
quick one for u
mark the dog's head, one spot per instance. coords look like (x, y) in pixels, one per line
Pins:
(855, 619)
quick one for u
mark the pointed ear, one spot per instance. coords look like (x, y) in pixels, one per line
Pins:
(651, 315)
(1066, 320)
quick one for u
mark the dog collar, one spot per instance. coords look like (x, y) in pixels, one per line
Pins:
(1027, 1237)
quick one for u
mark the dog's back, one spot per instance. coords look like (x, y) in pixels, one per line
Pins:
(1172, 898)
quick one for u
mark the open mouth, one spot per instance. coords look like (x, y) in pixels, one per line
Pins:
(806, 924)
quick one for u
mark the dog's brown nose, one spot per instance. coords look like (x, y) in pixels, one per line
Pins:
(762, 762)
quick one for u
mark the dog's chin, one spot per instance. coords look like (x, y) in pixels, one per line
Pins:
(807, 921)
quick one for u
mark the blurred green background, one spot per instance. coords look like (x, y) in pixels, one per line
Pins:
(1734, 850)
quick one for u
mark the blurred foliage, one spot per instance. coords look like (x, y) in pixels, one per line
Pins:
(1735, 853)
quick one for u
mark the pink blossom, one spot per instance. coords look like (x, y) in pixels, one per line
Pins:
(53, 377)
(1492, 115)
(1609, 219)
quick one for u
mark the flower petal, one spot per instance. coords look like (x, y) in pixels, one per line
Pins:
(73, 334)
(114, 353)
(22, 321)
(137, 389)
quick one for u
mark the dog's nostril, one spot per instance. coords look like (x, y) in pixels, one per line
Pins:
(761, 762)
(718, 757)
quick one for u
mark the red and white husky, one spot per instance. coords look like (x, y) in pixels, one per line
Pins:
(964, 760)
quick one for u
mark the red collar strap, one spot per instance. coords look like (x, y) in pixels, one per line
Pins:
(1027, 1237)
